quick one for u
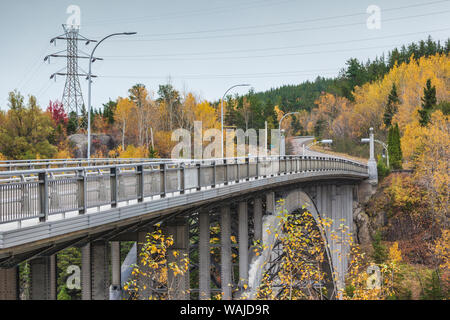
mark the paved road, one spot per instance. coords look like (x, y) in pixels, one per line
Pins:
(297, 148)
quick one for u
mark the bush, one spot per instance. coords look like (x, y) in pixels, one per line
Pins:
(383, 170)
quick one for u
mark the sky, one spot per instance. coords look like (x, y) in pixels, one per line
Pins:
(204, 46)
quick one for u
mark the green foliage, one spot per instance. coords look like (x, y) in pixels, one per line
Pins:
(66, 258)
(380, 252)
(391, 106)
(428, 103)
(26, 130)
(433, 288)
(444, 106)
(383, 170)
(63, 294)
(108, 111)
(72, 124)
(394, 147)
(152, 153)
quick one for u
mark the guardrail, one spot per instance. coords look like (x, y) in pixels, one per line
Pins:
(10, 165)
(27, 194)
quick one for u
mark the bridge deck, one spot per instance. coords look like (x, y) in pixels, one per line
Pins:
(44, 204)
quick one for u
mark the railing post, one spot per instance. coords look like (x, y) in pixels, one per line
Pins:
(43, 196)
(182, 182)
(225, 163)
(247, 162)
(113, 186)
(162, 168)
(82, 191)
(257, 167)
(238, 171)
(198, 166)
(140, 182)
(214, 175)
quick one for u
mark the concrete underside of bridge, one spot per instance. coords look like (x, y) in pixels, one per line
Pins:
(331, 195)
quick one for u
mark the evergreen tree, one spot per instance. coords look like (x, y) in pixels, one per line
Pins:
(391, 106)
(428, 103)
(394, 147)
(433, 289)
(380, 252)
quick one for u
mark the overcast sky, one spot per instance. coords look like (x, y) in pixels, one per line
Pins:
(204, 46)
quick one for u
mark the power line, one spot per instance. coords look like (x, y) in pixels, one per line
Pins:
(283, 31)
(289, 23)
(261, 56)
(261, 4)
(275, 48)
(220, 76)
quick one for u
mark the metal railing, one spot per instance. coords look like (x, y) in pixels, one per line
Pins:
(26, 194)
(10, 165)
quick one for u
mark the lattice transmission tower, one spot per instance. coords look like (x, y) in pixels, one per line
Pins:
(72, 98)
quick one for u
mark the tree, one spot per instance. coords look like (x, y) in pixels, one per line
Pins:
(428, 103)
(161, 266)
(394, 147)
(122, 115)
(391, 106)
(26, 130)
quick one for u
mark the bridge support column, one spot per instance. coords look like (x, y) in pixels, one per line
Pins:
(257, 219)
(9, 284)
(115, 290)
(100, 270)
(179, 285)
(226, 261)
(95, 271)
(43, 278)
(86, 272)
(270, 203)
(243, 243)
(204, 256)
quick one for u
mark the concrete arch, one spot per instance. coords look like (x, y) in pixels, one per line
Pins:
(294, 200)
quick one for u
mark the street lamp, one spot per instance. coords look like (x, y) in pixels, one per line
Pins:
(385, 147)
(325, 141)
(371, 164)
(89, 85)
(279, 129)
(221, 110)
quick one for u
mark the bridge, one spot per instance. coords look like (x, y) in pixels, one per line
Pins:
(49, 205)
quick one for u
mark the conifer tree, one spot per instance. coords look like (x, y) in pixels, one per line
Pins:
(394, 147)
(428, 103)
(391, 106)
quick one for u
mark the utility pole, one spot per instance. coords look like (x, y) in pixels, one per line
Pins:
(72, 98)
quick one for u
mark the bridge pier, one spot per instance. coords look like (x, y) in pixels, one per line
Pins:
(204, 256)
(9, 283)
(270, 203)
(95, 271)
(226, 260)
(115, 290)
(243, 243)
(43, 278)
(258, 218)
(178, 285)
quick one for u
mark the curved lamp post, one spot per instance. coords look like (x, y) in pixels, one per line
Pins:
(90, 82)
(221, 110)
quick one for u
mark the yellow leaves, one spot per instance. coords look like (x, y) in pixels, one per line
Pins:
(395, 255)
(233, 239)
